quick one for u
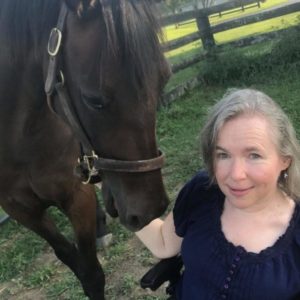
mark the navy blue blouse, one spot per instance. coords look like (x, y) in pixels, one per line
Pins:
(215, 268)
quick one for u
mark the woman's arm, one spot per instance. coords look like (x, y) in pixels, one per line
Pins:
(160, 238)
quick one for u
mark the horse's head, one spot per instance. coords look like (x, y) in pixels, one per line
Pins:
(114, 72)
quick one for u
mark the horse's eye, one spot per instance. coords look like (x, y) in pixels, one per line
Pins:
(95, 102)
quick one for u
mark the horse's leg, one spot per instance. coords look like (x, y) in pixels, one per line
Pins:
(81, 212)
(29, 212)
(101, 229)
(104, 238)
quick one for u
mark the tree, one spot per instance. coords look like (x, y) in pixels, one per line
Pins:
(207, 3)
(174, 5)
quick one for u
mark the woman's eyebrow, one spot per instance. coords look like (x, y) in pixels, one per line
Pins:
(249, 149)
(220, 148)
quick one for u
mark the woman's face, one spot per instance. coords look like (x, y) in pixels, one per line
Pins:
(247, 163)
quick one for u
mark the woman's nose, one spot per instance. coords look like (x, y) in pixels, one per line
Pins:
(237, 171)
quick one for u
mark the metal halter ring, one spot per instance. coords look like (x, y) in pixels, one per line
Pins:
(54, 34)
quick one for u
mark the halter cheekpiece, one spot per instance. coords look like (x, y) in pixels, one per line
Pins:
(89, 163)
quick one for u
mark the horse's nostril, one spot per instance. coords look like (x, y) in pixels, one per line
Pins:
(133, 221)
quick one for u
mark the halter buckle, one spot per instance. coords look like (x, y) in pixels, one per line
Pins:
(88, 160)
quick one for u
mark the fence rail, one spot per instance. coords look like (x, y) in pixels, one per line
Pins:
(206, 33)
(192, 14)
(260, 16)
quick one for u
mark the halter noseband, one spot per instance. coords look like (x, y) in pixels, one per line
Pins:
(89, 163)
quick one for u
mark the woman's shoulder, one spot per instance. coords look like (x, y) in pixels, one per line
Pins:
(199, 187)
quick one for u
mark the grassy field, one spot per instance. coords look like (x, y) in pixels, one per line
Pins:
(170, 32)
(191, 49)
(28, 268)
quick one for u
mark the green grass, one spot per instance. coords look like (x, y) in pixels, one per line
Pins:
(2, 213)
(194, 48)
(260, 27)
(15, 258)
(226, 36)
(171, 32)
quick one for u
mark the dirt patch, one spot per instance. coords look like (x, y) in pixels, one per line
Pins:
(122, 282)
(13, 290)
(131, 269)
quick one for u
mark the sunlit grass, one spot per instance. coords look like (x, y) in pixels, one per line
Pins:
(239, 13)
(258, 28)
(233, 34)
(172, 33)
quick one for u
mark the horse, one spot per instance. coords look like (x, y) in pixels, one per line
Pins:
(80, 82)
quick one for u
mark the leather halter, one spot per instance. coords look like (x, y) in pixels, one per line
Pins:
(89, 164)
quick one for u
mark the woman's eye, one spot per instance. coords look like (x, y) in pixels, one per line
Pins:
(221, 155)
(254, 156)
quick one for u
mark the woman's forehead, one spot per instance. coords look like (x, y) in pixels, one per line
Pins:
(250, 129)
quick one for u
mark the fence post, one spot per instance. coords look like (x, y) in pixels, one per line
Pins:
(206, 35)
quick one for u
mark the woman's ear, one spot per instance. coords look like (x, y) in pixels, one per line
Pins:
(286, 160)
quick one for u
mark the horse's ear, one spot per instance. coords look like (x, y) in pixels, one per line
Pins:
(81, 7)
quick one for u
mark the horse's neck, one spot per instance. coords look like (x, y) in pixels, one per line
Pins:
(22, 96)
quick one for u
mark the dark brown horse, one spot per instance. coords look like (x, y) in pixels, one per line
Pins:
(88, 89)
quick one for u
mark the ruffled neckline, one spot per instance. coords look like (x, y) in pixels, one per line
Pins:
(281, 244)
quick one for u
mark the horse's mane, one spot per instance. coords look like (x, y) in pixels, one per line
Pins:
(133, 33)
(25, 24)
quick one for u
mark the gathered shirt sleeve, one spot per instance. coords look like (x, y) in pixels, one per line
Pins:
(191, 196)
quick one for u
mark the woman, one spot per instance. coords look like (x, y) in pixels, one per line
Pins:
(237, 224)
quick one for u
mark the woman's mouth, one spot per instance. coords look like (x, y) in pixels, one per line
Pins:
(238, 192)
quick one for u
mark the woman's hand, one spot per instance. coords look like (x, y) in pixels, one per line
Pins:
(160, 238)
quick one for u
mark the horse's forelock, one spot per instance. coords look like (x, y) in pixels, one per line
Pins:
(133, 31)
(84, 6)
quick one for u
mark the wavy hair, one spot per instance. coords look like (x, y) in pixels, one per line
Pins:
(237, 102)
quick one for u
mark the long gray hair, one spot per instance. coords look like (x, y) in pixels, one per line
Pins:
(248, 101)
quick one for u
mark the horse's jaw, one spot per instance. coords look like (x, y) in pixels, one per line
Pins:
(109, 202)
(135, 207)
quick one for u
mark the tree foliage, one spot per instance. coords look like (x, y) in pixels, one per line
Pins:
(207, 3)
(174, 5)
